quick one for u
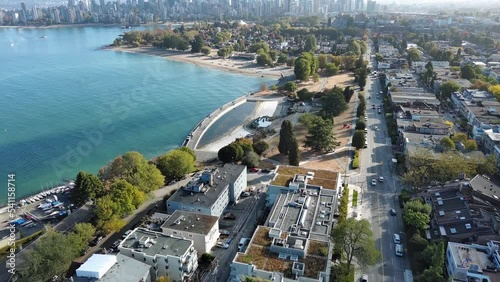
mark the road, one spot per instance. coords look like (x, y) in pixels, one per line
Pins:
(376, 161)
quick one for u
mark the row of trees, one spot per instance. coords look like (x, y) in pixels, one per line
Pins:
(244, 150)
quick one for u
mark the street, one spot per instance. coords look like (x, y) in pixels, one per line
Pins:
(379, 199)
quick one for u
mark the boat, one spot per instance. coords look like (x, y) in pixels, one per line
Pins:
(43, 35)
(48, 211)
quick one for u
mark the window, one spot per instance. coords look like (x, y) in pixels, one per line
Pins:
(133, 255)
(144, 259)
(166, 260)
(166, 266)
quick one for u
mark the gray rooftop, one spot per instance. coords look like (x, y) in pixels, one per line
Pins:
(191, 222)
(160, 244)
(223, 176)
(126, 269)
(484, 186)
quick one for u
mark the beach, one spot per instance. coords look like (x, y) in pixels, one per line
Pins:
(211, 61)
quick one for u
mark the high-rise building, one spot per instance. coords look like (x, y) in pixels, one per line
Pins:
(71, 3)
(371, 6)
(23, 6)
(359, 5)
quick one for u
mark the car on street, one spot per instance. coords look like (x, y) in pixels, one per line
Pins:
(116, 244)
(396, 239)
(364, 278)
(376, 128)
(243, 243)
(126, 233)
(265, 170)
(393, 212)
(97, 240)
(374, 182)
(254, 169)
(381, 179)
(373, 106)
(245, 194)
(398, 249)
(379, 111)
(172, 182)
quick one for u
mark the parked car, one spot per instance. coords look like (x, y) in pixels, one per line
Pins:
(245, 194)
(374, 182)
(381, 179)
(265, 171)
(393, 212)
(116, 244)
(396, 239)
(97, 240)
(399, 250)
(376, 128)
(126, 233)
(254, 169)
(364, 278)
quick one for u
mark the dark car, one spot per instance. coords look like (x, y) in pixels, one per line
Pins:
(116, 244)
(97, 240)
(265, 171)
(393, 212)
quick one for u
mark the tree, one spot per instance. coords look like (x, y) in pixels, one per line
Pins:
(176, 164)
(113, 224)
(230, 153)
(332, 69)
(356, 239)
(135, 169)
(310, 44)
(294, 153)
(206, 50)
(447, 144)
(320, 136)
(305, 95)
(459, 137)
(360, 125)
(286, 136)
(358, 139)
(302, 69)
(251, 159)
(334, 102)
(282, 59)
(413, 55)
(354, 47)
(205, 260)
(489, 166)
(87, 186)
(245, 144)
(322, 61)
(189, 151)
(448, 88)
(379, 57)
(290, 86)
(264, 59)
(260, 147)
(163, 279)
(126, 197)
(309, 120)
(417, 214)
(197, 44)
(470, 145)
(259, 45)
(468, 72)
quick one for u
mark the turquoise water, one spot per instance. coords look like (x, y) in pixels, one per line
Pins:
(67, 106)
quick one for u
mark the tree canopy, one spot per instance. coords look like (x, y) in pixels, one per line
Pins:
(176, 163)
(448, 88)
(286, 136)
(320, 136)
(417, 214)
(333, 102)
(87, 186)
(294, 153)
(358, 139)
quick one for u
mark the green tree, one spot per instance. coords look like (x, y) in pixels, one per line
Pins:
(379, 57)
(310, 43)
(230, 153)
(459, 137)
(322, 61)
(176, 164)
(356, 239)
(113, 224)
(105, 208)
(286, 136)
(282, 59)
(302, 69)
(417, 214)
(354, 47)
(305, 95)
(294, 153)
(264, 59)
(332, 69)
(447, 144)
(309, 120)
(251, 159)
(197, 44)
(413, 55)
(206, 50)
(81, 235)
(135, 169)
(188, 150)
(320, 136)
(126, 197)
(260, 147)
(489, 166)
(333, 102)
(360, 125)
(358, 139)
(163, 279)
(245, 143)
(290, 86)
(468, 72)
(87, 186)
(470, 145)
(448, 88)
(259, 45)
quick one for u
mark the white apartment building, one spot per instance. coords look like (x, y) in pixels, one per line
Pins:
(473, 262)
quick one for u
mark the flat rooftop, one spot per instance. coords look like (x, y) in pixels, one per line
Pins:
(467, 255)
(484, 186)
(324, 178)
(191, 222)
(160, 244)
(258, 254)
(223, 176)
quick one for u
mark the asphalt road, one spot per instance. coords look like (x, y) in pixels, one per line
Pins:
(376, 161)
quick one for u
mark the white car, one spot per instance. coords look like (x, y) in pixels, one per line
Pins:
(376, 128)
(381, 179)
(126, 234)
(364, 278)
(396, 238)
(374, 182)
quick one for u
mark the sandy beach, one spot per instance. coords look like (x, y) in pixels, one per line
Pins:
(264, 108)
(211, 61)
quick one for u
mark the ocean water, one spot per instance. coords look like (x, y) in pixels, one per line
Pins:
(67, 106)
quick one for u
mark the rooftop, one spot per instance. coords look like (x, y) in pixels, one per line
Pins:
(190, 222)
(209, 192)
(154, 243)
(474, 257)
(484, 186)
(324, 178)
(125, 269)
(485, 111)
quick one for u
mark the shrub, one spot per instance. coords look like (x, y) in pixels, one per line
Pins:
(355, 163)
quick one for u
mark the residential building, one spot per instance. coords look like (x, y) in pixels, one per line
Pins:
(407, 96)
(486, 190)
(201, 228)
(170, 256)
(210, 191)
(292, 178)
(111, 268)
(473, 262)
(482, 116)
(294, 244)
(491, 142)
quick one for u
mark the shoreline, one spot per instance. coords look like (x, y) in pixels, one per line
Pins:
(230, 65)
(91, 25)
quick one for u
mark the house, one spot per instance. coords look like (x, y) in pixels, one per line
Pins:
(201, 228)
(111, 268)
(170, 256)
(486, 190)
(210, 191)
(490, 141)
(473, 262)
(482, 116)
(294, 244)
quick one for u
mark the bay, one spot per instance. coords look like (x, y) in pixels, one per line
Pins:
(66, 105)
